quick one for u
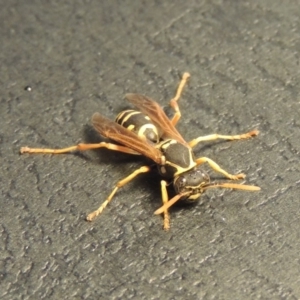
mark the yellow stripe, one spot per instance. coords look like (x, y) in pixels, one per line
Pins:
(145, 127)
(125, 115)
(129, 115)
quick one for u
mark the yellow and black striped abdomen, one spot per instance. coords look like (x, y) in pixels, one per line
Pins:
(138, 123)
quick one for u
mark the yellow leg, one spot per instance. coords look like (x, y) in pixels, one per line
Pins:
(121, 183)
(165, 199)
(173, 102)
(79, 147)
(218, 169)
(216, 136)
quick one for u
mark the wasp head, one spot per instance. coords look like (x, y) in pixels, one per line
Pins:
(191, 183)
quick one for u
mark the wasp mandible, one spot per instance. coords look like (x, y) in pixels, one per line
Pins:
(149, 132)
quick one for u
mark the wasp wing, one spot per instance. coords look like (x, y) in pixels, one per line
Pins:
(116, 132)
(153, 110)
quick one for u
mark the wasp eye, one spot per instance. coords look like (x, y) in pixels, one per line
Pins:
(181, 182)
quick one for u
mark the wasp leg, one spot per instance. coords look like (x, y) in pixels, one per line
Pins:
(216, 136)
(165, 199)
(173, 102)
(79, 147)
(218, 169)
(121, 183)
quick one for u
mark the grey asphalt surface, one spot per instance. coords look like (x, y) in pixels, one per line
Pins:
(62, 61)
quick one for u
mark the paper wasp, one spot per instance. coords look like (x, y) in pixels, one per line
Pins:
(151, 133)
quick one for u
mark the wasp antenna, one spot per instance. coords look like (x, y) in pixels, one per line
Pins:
(233, 186)
(169, 204)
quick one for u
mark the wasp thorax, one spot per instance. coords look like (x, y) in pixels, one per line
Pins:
(191, 181)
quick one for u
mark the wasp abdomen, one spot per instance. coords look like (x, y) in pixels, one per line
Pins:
(138, 123)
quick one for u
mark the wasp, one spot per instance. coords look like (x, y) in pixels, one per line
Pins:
(149, 132)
